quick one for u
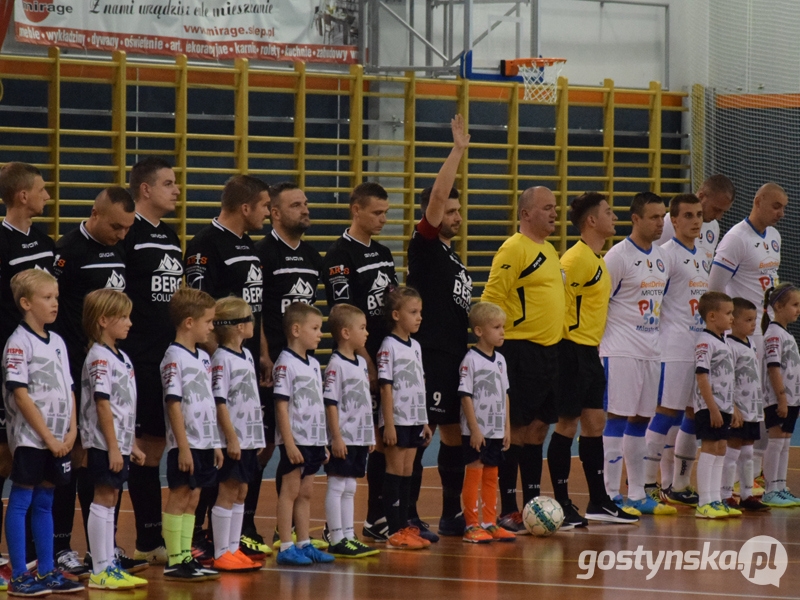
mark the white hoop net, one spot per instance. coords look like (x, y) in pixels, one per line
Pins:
(541, 81)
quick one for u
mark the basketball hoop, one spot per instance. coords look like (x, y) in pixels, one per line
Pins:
(539, 75)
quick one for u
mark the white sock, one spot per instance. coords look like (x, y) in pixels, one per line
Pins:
(729, 472)
(97, 537)
(668, 457)
(783, 465)
(237, 516)
(759, 448)
(655, 443)
(221, 524)
(612, 449)
(719, 466)
(685, 454)
(111, 547)
(772, 460)
(634, 449)
(746, 472)
(705, 483)
(348, 508)
(333, 507)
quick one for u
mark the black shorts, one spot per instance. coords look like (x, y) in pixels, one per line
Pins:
(749, 431)
(33, 466)
(533, 381)
(244, 470)
(441, 386)
(704, 430)
(352, 465)
(582, 379)
(313, 458)
(205, 473)
(101, 474)
(268, 411)
(408, 436)
(771, 418)
(491, 455)
(150, 419)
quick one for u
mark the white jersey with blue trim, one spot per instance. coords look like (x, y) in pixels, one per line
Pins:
(706, 243)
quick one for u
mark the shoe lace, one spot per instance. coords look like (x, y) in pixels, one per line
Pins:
(70, 560)
(717, 505)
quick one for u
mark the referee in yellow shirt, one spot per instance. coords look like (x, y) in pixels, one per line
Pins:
(527, 282)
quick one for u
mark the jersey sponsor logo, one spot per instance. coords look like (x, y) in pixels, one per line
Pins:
(341, 290)
(301, 291)
(253, 291)
(330, 380)
(505, 267)
(168, 373)
(772, 347)
(775, 246)
(338, 270)
(35, 243)
(462, 290)
(166, 279)
(98, 369)
(116, 281)
(383, 358)
(531, 268)
(651, 315)
(293, 258)
(597, 276)
(196, 259)
(14, 358)
(766, 281)
(279, 374)
(701, 352)
(59, 262)
(106, 255)
(370, 254)
(376, 292)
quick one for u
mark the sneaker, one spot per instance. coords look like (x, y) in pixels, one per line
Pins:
(276, 541)
(414, 531)
(731, 502)
(377, 532)
(789, 496)
(732, 512)
(712, 510)
(228, 562)
(253, 546)
(753, 504)
(452, 526)
(319, 544)
(499, 534)
(345, 549)
(69, 562)
(648, 506)
(424, 530)
(156, 556)
(609, 512)
(253, 565)
(56, 583)
(364, 549)
(686, 497)
(203, 548)
(402, 540)
(653, 490)
(758, 490)
(210, 573)
(512, 522)
(475, 534)
(133, 579)
(184, 571)
(316, 555)
(777, 500)
(293, 557)
(664, 494)
(110, 579)
(128, 564)
(27, 584)
(620, 502)
(326, 533)
(572, 517)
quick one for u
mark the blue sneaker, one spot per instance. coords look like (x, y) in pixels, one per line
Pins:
(55, 582)
(27, 584)
(777, 499)
(648, 506)
(785, 493)
(317, 556)
(294, 557)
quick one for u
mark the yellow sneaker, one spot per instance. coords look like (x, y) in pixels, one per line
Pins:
(110, 579)
(712, 510)
(132, 579)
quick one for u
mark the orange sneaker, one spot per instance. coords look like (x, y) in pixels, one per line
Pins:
(403, 540)
(499, 534)
(414, 531)
(228, 562)
(475, 534)
(246, 560)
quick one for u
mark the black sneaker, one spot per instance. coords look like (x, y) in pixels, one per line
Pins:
(345, 549)
(326, 533)
(609, 512)
(184, 571)
(69, 562)
(453, 526)
(207, 571)
(377, 532)
(512, 522)
(753, 504)
(572, 517)
(128, 564)
(424, 530)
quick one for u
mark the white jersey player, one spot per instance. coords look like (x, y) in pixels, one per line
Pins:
(298, 381)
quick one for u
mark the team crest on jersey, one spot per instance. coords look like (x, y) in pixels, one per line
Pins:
(660, 264)
(775, 246)
(116, 282)
(710, 236)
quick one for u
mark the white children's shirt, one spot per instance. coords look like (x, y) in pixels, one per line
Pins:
(714, 357)
(41, 365)
(233, 382)
(110, 376)
(347, 387)
(400, 364)
(298, 381)
(747, 393)
(780, 349)
(186, 377)
(485, 380)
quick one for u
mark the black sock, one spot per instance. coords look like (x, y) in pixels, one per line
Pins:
(507, 475)
(64, 513)
(559, 460)
(208, 497)
(144, 487)
(415, 483)
(251, 504)
(405, 499)
(451, 471)
(590, 449)
(376, 470)
(391, 501)
(85, 497)
(530, 470)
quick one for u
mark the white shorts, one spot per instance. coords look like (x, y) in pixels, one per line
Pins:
(677, 385)
(631, 386)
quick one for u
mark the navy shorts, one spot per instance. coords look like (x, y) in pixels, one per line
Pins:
(33, 466)
(533, 382)
(101, 474)
(771, 418)
(704, 430)
(441, 386)
(583, 379)
(352, 465)
(313, 458)
(205, 472)
(749, 431)
(244, 470)
(408, 436)
(491, 455)
(149, 401)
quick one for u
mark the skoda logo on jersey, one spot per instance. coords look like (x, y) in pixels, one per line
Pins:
(116, 282)
(252, 292)
(660, 264)
(775, 246)
(301, 292)
(166, 279)
(375, 297)
(710, 236)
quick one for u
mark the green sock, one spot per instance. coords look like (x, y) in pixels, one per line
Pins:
(171, 530)
(187, 532)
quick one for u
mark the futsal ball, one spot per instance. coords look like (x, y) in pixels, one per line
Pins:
(542, 516)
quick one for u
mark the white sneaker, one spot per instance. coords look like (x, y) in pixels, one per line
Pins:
(157, 556)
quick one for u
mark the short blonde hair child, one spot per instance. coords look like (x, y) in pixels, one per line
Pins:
(297, 313)
(188, 302)
(484, 312)
(342, 317)
(25, 283)
(103, 303)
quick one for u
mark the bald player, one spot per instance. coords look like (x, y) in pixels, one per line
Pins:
(527, 283)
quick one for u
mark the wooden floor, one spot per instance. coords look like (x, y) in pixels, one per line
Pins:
(529, 567)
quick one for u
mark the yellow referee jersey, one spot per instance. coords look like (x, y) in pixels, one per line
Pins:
(588, 290)
(527, 283)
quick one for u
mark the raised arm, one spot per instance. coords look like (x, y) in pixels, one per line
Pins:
(447, 174)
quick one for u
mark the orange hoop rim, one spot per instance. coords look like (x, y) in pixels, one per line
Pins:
(510, 67)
